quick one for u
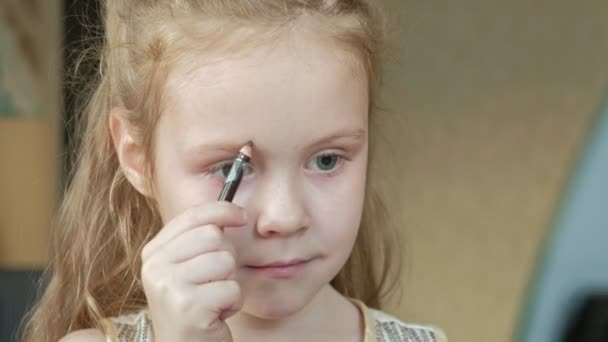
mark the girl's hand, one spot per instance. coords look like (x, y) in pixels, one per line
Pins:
(188, 272)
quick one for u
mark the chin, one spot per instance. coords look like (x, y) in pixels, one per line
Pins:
(273, 307)
(272, 300)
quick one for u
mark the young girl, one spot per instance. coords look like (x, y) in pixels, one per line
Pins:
(145, 252)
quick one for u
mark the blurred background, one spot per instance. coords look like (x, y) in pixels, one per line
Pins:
(494, 99)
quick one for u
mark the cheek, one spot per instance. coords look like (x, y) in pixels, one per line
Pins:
(340, 232)
(338, 213)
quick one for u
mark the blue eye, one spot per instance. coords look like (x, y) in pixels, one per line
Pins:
(325, 162)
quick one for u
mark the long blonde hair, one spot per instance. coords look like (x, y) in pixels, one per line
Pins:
(104, 222)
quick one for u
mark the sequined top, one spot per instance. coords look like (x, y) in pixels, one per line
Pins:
(379, 327)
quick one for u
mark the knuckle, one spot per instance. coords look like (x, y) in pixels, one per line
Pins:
(161, 287)
(191, 216)
(154, 284)
(228, 260)
(225, 206)
(213, 235)
(146, 271)
(233, 288)
(156, 278)
(145, 252)
(229, 209)
(183, 303)
(195, 234)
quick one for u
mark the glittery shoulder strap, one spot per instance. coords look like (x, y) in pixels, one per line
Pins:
(382, 327)
(134, 327)
(391, 329)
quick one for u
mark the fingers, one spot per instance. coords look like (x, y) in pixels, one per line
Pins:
(196, 241)
(207, 268)
(219, 214)
(188, 271)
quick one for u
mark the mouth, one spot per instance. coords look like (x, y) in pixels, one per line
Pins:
(280, 269)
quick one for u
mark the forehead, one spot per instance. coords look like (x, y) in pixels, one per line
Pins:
(288, 87)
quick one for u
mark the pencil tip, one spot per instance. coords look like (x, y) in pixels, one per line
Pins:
(247, 149)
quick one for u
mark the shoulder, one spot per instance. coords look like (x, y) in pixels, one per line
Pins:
(87, 335)
(391, 329)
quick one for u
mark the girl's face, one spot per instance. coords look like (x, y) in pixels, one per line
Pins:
(304, 105)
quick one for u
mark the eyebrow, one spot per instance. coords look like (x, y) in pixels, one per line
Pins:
(232, 148)
(355, 134)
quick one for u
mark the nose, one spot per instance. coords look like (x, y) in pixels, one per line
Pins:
(281, 208)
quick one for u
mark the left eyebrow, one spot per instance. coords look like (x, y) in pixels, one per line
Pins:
(356, 134)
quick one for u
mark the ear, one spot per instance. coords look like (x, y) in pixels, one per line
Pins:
(129, 150)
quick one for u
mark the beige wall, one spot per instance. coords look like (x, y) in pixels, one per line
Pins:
(495, 96)
(29, 158)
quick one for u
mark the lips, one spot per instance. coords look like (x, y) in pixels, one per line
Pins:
(279, 263)
(280, 269)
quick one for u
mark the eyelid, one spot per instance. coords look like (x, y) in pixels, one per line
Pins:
(342, 153)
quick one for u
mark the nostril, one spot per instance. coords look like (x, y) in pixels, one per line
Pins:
(269, 233)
